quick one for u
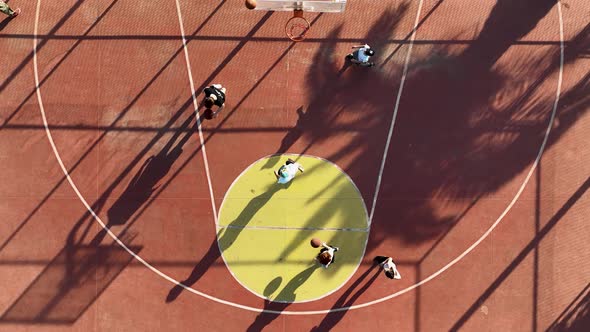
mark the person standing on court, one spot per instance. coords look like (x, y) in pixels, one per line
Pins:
(327, 255)
(288, 171)
(388, 266)
(214, 95)
(5, 8)
(361, 55)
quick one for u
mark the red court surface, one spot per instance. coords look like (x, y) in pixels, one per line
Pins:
(483, 199)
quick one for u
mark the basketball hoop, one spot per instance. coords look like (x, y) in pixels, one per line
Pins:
(297, 26)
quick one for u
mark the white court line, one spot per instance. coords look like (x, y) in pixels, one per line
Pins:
(297, 228)
(309, 312)
(395, 109)
(196, 105)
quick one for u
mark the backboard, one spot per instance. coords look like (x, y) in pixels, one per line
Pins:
(324, 6)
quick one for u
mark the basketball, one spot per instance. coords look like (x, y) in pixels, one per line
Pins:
(250, 4)
(315, 242)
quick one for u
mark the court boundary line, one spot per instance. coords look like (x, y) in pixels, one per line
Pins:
(303, 312)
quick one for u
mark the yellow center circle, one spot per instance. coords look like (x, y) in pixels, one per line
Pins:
(264, 229)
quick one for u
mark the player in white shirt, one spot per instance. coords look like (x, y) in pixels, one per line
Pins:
(288, 171)
(388, 266)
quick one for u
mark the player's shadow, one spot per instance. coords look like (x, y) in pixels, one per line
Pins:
(198, 271)
(292, 136)
(287, 295)
(146, 180)
(346, 300)
(225, 239)
(230, 233)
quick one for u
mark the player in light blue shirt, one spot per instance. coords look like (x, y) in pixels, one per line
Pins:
(361, 55)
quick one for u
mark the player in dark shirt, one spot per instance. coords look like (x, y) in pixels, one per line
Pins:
(214, 95)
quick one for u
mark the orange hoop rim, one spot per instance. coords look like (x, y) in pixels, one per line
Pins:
(297, 14)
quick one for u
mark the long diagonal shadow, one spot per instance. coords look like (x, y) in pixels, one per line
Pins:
(145, 182)
(68, 285)
(522, 255)
(59, 63)
(5, 22)
(258, 82)
(194, 153)
(29, 57)
(576, 316)
(113, 123)
(85, 36)
(81, 267)
(100, 202)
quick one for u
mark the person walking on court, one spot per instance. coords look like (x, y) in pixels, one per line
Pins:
(214, 95)
(388, 266)
(5, 8)
(361, 55)
(288, 171)
(327, 255)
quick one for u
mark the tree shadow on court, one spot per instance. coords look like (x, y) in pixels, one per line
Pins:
(347, 299)
(224, 240)
(467, 122)
(287, 295)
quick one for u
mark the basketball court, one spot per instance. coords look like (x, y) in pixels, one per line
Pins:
(462, 154)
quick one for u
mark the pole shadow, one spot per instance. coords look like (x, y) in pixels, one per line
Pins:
(576, 317)
(522, 255)
(83, 269)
